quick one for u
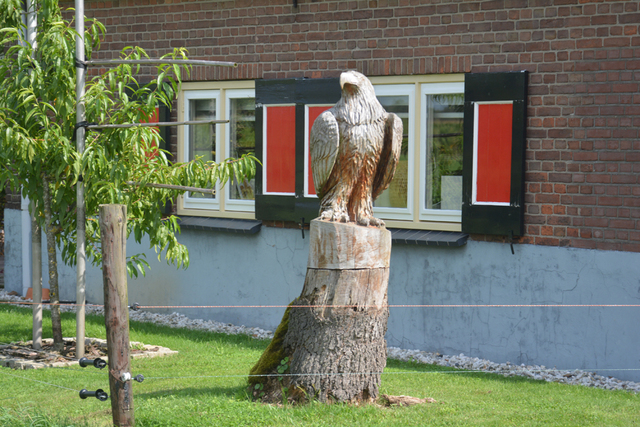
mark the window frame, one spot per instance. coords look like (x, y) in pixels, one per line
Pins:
(224, 206)
(193, 202)
(420, 220)
(237, 205)
(402, 214)
(437, 215)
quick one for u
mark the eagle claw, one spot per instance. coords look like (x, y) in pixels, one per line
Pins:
(337, 216)
(370, 220)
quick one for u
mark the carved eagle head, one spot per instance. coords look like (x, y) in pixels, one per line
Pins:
(358, 104)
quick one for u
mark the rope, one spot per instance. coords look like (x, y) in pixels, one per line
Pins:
(353, 306)
(38, 381)
(399, 306)
(457, 371)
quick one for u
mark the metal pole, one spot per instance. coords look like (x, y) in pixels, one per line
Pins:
(157, 61)
(80, 218)
(158, 124)
(36, 279)
(173, 187)
(31, 25)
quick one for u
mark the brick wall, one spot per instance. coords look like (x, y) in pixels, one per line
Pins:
(583, 151)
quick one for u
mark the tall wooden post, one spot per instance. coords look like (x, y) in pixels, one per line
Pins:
(113, 229)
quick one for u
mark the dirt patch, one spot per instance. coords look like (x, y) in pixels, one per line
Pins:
(389, 400)
(22, 355)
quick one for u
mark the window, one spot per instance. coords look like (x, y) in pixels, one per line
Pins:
(442, 143)
(426, 191)
(217, 142)
(396, 201)
(460, 168)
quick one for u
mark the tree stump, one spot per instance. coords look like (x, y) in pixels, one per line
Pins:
(330, 344)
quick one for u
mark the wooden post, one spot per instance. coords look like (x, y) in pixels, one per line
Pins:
(113, 229)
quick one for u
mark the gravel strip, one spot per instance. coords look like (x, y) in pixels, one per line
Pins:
(536, 372)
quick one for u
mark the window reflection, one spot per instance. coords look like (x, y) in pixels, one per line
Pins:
(444, 151)
(242, 140)
(396, 195)
(202, 138)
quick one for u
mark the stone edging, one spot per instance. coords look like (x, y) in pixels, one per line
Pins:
(148, 351)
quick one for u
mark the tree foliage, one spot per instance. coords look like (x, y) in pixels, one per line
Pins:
(37, 120)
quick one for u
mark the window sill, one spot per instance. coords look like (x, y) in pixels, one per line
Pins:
(233, 225)
(428, 238)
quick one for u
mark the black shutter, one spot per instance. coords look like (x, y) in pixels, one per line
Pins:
(493, 176)
(296, 93)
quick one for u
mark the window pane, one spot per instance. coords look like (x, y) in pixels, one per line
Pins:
(444, 151)
(396, 195)
(242, 140)
(202, 138)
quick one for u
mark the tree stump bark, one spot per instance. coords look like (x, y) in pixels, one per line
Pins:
(330, 344)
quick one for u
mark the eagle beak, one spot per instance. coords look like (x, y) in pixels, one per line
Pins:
(347, 78)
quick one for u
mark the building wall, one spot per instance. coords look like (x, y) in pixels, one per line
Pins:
(582, 193)
(583, 57)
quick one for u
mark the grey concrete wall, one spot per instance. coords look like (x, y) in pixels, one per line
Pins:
(268, 269)
(487, 273)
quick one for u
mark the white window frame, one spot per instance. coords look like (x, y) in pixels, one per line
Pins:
(238, 205)
(438, 215)
(193, 202)
(403, 214)
(222, 91)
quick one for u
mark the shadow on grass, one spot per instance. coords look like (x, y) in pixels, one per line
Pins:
(460, 373)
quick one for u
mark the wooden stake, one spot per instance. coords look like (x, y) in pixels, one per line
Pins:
(113, 229)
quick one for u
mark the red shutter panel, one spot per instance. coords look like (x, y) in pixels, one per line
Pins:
(494, 144)
(280, 150)
(492, 152)
(285, 111)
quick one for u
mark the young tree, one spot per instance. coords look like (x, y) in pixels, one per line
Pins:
(37, 143)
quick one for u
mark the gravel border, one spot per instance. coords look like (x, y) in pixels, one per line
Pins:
(536, 372)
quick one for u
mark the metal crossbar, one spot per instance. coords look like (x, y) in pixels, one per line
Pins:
(158, 124)
(158, 61)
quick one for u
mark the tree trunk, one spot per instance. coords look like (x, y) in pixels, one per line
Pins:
(330, 343)
(54, 295)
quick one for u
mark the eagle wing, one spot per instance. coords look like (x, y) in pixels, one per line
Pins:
(324, 141)
(391, 146)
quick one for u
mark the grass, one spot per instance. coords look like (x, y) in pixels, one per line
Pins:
(204, 385)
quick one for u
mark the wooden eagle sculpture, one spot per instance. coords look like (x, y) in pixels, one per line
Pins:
(354, 148)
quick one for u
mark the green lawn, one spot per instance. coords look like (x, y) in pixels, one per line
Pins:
(204, 385)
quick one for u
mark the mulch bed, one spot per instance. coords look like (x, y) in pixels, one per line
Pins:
(23, 352)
